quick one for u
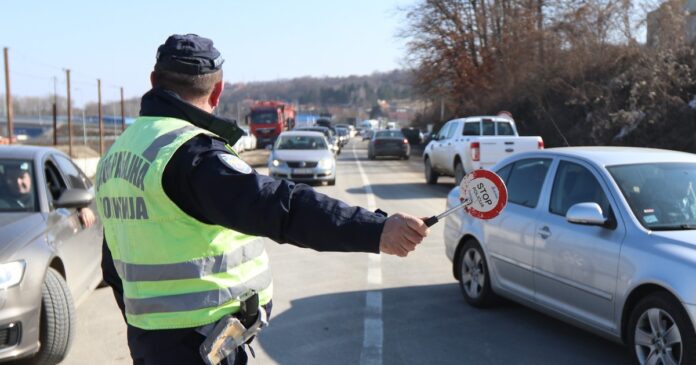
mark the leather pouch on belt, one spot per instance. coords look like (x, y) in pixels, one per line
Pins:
(229, 333)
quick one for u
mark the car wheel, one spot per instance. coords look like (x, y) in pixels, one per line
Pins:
(474, 278)
(458, 173)
(57, 323)
(660, 332)
(332, 182)
(430, 174)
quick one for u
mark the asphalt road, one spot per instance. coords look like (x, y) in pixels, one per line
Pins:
(332, 308)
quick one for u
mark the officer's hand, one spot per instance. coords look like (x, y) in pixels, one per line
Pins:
(87, 217)
(401, 234)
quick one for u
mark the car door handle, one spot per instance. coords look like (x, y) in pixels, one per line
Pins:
(544, 232)
(509, 150)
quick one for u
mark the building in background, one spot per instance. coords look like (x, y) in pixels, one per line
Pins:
(670, 22)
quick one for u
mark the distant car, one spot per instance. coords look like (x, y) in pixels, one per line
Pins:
(304, 156)
(602, 237)
(351, 129)
(343, 135)
(249, 140)
(240, 145)
(388, 143)
(333, 140)
(48, 261)
(413, 135)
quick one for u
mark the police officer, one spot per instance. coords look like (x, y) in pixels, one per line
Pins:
(182, 213)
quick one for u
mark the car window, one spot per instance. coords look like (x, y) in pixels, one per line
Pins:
(472, 129)
(661, 195)
(301, 143)
(389, 134)
(505, 129)
(76, 177)
(504, 172)
(444, 131)
(17, 186)
(575, 184)
(526, 179)
(452, 129)
(488, 127)
(54, 182)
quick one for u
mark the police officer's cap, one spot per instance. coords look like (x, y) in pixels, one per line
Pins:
(188, 54)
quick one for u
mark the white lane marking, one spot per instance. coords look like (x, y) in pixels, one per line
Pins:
(373, 335)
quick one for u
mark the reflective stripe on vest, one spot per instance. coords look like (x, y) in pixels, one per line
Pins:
(177, 272)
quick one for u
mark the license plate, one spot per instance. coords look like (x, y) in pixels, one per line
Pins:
(302, 171)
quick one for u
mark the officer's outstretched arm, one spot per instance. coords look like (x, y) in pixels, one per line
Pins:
(210, 184)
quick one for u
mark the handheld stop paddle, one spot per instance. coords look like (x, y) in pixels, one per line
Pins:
(482, 194)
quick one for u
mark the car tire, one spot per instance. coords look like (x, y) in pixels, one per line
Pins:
(459, 172)
(474, 277)
(371, 156)
(332, 182)
(430, 174)
(57, 323)
(675, 336)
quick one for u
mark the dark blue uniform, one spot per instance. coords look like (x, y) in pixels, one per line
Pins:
(212, 192)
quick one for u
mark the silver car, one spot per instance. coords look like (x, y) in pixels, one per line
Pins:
(48, 260)
(602, 237)
(303, 156)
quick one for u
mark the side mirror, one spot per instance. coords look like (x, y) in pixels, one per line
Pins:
(74, 198)
(586, 214)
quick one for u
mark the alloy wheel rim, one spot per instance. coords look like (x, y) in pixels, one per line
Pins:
(473, 275)
(657, 339)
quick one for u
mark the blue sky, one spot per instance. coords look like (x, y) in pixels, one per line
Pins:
(260, 40)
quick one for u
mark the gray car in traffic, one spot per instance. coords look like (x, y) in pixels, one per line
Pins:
(49, 260)
(602, 237)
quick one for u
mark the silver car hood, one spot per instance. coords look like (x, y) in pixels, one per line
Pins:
(301, 155)
(686, 236)
(16, 229)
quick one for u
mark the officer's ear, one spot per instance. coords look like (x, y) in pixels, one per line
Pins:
(214, 98)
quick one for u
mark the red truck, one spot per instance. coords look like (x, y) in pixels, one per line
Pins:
(267, 119)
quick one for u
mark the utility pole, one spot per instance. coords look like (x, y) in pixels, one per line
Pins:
(8, 95)
(123, 113)
(55, 112)
(442, 110)
(101, 121)
(67, 76)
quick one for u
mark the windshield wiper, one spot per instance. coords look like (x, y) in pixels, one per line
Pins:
(675, 227)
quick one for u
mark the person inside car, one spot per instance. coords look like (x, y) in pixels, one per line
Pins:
(19, 194)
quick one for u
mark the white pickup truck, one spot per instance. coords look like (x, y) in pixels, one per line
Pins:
(466, 144)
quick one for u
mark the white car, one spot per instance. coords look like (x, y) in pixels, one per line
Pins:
(249, 140)
(303, 156)
(602, 237)
(466, 144)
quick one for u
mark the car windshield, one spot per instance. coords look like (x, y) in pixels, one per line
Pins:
(661, 195)
(301, 143)
(326, 132)
(264, 117)
(17, 190)
(389, 134)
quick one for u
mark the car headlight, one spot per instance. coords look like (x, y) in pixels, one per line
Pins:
(326, 163)
(276, 163)
(11, 273)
